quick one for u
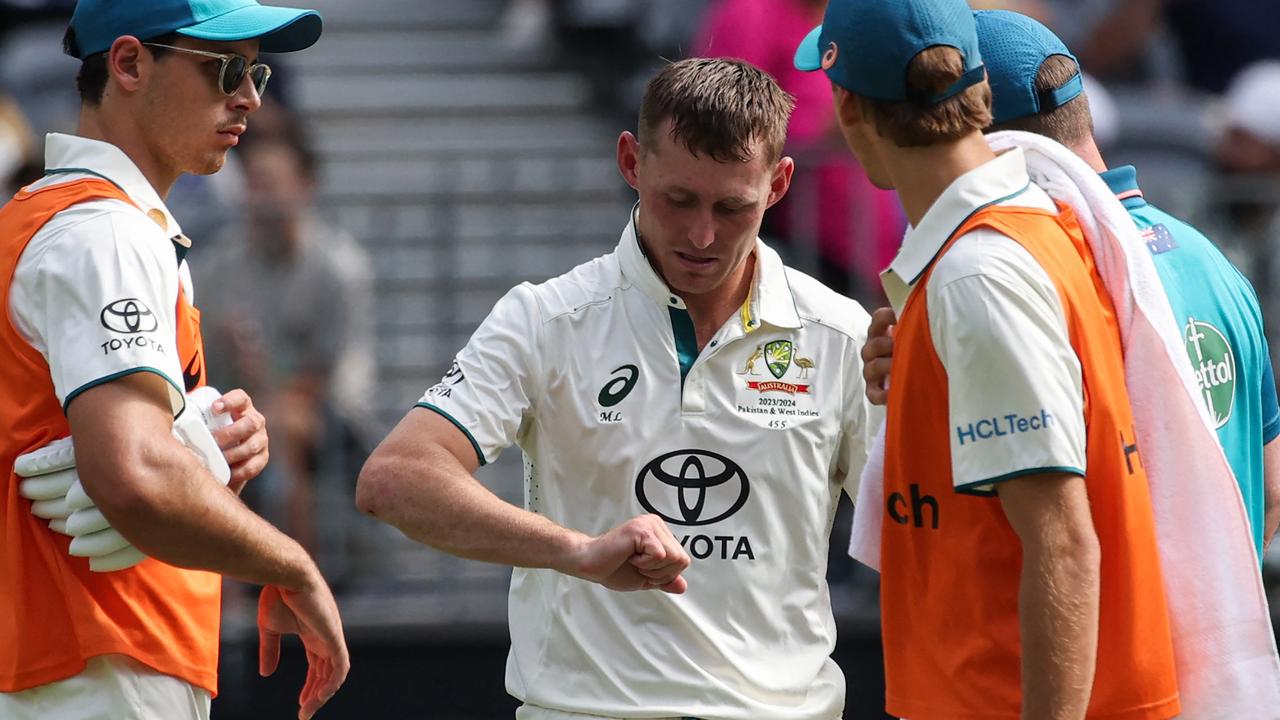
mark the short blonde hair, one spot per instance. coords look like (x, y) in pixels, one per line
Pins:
(718, 107)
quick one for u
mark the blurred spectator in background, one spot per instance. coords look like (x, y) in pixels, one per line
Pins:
(20, 163)
(34, 69)
(1250, 141)
(1219, 38)
(527, 23)
(832, 211)
(287, 302)
(1206, 42)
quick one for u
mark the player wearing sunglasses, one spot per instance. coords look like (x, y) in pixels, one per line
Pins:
(103, 346)
(231, 69)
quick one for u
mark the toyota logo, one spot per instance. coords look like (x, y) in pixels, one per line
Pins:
(128, 317)
(692, 487)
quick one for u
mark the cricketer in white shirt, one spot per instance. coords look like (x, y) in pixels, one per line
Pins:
(742, 449)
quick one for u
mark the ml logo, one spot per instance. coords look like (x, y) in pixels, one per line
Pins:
(692, 487)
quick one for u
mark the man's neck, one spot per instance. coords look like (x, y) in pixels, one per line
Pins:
(709, 311)
(94, 126)
(922, 174)
(1088, 151)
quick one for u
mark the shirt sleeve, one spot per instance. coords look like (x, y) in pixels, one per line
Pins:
(862, 420)
(1015, 390)
(489, 392)
(100, 303)
(1270, 409)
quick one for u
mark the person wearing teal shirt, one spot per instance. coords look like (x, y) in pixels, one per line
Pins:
(1037, 87)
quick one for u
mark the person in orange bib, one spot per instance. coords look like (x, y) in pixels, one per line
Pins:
(1019, 572)
(103, 346)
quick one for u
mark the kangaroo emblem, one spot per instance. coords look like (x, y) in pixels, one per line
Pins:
(750, 365)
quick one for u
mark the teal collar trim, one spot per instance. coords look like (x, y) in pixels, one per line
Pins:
(474, 445)
(1133, 203)
(180, 242)
(994, 181)
(1123, 182)
(85, 171)
(686, 340)
(771, 300)
(976, 210)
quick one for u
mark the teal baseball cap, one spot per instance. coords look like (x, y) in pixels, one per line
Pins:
(1015, 46)
(865, 46)
(96, 24)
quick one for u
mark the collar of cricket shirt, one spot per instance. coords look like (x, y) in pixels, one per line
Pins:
(988, 184)
(769, 300)
(72, 154)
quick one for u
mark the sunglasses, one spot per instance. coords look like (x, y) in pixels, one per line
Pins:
(232, 71)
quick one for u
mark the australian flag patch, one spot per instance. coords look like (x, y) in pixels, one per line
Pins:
(1159, 239)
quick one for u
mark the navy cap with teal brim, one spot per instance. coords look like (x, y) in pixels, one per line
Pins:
(1015, 46)
(865, 46)
(96, 24)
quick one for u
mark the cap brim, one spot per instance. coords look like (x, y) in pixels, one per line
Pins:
(279, 29)
(808, 54)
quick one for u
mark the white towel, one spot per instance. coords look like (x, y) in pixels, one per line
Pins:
(1224, 646)
(868, 508)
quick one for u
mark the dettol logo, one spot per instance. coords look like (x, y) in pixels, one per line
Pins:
(1215, 368)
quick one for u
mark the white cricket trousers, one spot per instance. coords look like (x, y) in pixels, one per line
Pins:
(111, 687)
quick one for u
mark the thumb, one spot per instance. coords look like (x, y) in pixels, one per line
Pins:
(268, 651)
(268, 639)
(675, 587)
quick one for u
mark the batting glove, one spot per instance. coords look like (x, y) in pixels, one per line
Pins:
(51, 483)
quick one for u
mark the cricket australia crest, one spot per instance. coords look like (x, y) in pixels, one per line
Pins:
(782, 397)
(778, 357)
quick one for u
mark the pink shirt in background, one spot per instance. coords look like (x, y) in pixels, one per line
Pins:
(765, 33)
(858, 226)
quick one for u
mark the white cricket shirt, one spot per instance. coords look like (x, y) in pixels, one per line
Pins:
(997, 324)
(96, 289)
(743, 449)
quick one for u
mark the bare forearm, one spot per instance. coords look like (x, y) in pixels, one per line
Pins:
(1058, 592)
(161, 498)
(1058, 618)
(434, 500)
(179, 514)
